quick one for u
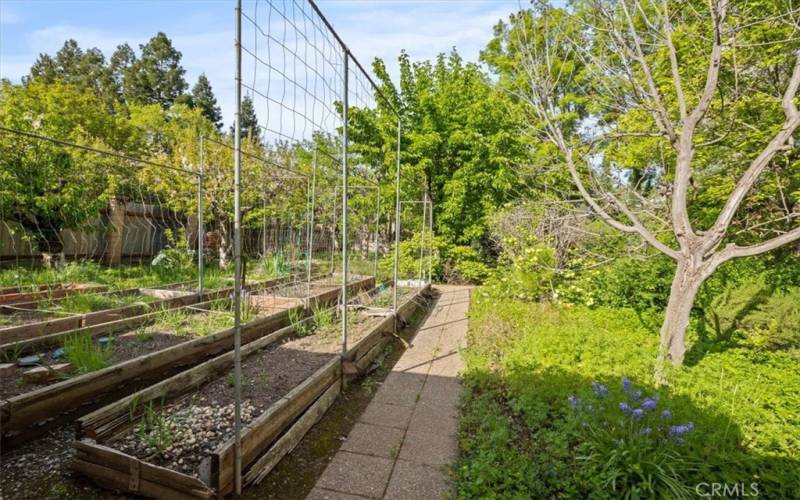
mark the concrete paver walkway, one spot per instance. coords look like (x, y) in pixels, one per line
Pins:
(403, 443)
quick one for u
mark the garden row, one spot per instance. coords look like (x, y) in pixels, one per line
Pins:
(111, 359)
(174, 439)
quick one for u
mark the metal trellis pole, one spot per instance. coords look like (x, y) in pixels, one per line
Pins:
(430, 235)
(377, 229)
(311, 221)
(422, 245)
(237, 252)
(344, 202)
(396, 227)
(200, 217)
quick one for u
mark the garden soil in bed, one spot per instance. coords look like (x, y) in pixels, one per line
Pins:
(141, 341)
(199, 422)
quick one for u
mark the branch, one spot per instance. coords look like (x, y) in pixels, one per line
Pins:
(673, 59)
(635, 226)
(733, 251)
(660, 114)
(683, 163)
(778, 143)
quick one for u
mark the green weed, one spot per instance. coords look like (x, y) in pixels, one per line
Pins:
(154, 429)
(85, 354)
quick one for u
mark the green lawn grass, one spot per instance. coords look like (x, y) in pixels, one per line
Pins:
(521, 438)
(116, 278)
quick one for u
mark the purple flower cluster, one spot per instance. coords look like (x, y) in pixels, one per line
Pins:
(637, 409)
(600, 390)
(680, 430)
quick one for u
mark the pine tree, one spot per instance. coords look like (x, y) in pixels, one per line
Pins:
(156, 77)
(248, 121)
(203, 98)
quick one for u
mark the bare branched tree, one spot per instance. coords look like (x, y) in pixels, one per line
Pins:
(624, 76)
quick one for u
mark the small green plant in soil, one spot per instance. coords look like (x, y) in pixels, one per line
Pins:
(301, 328)
(323, 316)
(11, 354)
(171, 320)
(230, 379)
(154, 429)
(144, 333)
(85, 354)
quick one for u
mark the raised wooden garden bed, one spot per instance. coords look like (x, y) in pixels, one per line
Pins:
(16, 295)
(32, 335)
(24, 416)
(174, 439)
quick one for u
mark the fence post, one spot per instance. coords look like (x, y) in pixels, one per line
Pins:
(430, 247)
(422, 240)
(114, 240)
(311, 222)
(344, 200)
(377, 229)
(237, 257)
(200, 217)
(396, 226)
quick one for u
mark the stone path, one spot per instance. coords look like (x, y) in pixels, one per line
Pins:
(404, 442)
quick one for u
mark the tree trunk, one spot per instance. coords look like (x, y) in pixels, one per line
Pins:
(223, 246)
(684, 289)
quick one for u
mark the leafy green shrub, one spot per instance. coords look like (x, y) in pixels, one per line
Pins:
(642, 284)
(464, 264)
(410, 258)
(528, 275)
(176, 259)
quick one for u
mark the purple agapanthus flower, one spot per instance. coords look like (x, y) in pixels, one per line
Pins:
(679, 430)
(626, 384)
(666, 414)
(625, 407)
(649, 404)
(573, 401)
(645, 431)
(637, 394)
(637, 413)
(600, 390)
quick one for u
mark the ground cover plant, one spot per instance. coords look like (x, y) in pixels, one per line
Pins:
(561, 402)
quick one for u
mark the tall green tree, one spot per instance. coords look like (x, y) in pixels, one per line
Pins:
(45, 188)
(460, 143)
(248, 121)
(84, 69)
(203, 98)
(157, 76)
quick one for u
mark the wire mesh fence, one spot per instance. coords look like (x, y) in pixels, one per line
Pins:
(307, 186)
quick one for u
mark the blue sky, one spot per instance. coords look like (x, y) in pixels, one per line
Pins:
(203, 30)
